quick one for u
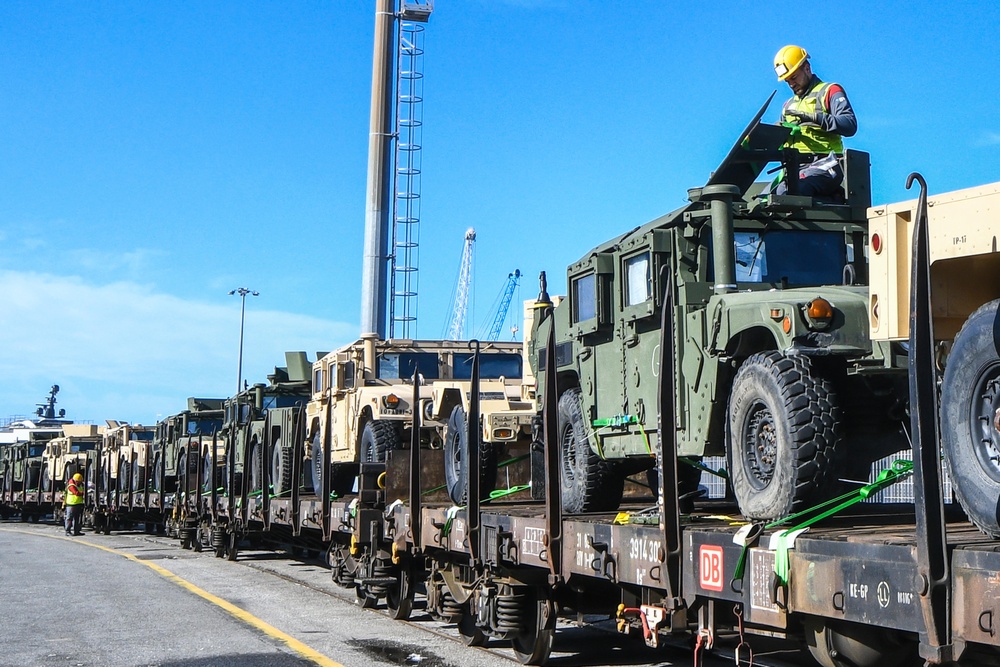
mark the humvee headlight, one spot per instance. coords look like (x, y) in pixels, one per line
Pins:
(819, 311)
(390, 401)
(503, 433)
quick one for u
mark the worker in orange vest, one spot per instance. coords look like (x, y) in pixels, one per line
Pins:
(73, 501)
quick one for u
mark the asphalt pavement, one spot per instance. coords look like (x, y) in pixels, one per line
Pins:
(135, 600)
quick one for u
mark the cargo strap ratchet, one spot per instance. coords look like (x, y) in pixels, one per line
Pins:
(783, 541)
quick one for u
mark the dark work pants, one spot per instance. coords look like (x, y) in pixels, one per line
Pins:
(74, 519)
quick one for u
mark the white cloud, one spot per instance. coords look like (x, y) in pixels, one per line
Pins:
(989, 139)
(123, 350)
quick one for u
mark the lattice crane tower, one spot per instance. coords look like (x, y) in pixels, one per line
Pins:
(457, 327)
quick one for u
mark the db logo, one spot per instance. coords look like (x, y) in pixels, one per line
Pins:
(711, 567)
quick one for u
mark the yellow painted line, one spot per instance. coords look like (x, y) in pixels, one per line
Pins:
(303, 650)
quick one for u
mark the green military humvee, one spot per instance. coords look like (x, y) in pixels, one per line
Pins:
(767, 324)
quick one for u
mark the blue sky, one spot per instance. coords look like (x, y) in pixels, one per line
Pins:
(157, 155)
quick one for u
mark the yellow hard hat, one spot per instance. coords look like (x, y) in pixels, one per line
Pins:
(788, 60)
(78, 477)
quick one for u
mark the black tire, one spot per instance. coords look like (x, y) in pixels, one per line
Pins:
(378, 438)
(970, 417)
(782, 433)
(456, 460)
(45, 483)
(179, 482)
(589, 483)
(237, 485)
(126, 479)
(138, 476)
(316, 469)
(256, 470)
(209, 473)
(32, 473)
(281, 470)
(157, 473)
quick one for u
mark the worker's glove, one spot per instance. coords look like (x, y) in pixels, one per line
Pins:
(804, 117)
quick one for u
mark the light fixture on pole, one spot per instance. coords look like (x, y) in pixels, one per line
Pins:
(243, 292)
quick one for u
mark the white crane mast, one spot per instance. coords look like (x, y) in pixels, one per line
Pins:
(457, 327)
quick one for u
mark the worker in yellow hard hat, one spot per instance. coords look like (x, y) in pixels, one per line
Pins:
(820, 115)
(73, 500)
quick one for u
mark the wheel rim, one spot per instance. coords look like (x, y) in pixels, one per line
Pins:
(983, 420)
(455, 460)
(760, 445)
(569, 455)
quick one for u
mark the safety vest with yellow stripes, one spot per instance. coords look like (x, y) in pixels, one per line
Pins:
(809, 138)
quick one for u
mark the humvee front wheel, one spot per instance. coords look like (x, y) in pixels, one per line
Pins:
(782, 435)
(456, 460)
(589, 483)
(377, 439)
(970, 417)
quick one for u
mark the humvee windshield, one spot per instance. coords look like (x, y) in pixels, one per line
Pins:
(281, 401)
(82, 446)
(36, 451)
(400, 365)
(203, 426)
(491, 366)
(142, 435)
(802, 257)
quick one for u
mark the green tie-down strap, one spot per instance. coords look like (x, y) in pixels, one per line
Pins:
(785, 540)
(897, 471)
(502, 464)
(721, 472)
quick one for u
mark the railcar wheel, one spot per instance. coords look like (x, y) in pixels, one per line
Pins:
(377, 439)
(456, 460)
(589, 483)
(782, 434)
(364, 599)
(472, 634)
(399, 597)
(970, 417)
(232, 549)
(533, 644)
(836, 644)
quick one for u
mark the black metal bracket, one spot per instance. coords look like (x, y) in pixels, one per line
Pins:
(932, 552)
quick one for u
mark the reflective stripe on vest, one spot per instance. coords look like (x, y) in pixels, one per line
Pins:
(73, 495)
(812, 139)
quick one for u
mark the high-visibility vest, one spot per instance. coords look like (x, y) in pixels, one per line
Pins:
(812, 139)
(73, 494)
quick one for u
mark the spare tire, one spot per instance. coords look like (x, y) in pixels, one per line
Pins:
(456, 460)
(970, 417)
(281, 469)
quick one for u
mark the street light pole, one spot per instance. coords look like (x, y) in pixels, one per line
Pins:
(242, 292)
